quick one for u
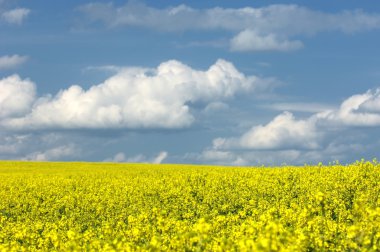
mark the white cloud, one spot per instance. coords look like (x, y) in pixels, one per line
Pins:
(299, 107)
(250, 158)
(264, 28)
(134, 98)
(358, 110)
(16, 96)
(283, 132)
(286, 132)
(331, 152)
(121, 158)
(278, 18)
(160, 157)
(290, 140)
(12, 61)
(15, 16)
(57, 153)
(336, 148)
(106, 68)
(249, 40)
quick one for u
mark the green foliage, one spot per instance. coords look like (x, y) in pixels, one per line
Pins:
(137, 207)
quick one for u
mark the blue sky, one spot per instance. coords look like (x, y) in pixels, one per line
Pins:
(216, 82)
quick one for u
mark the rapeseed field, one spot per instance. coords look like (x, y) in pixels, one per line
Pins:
(143, 207)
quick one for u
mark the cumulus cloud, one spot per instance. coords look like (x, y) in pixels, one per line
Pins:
(15, 16)
(294, 140)
(264, 28)
(16, 96)
(133, 98)
(12, 61)
(358, 110)
(249, 40)
(283, 132)
(121, 158)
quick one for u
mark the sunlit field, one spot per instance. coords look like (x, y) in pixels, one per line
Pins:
(135, 207)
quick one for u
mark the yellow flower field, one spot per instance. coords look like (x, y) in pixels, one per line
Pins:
(137, 207)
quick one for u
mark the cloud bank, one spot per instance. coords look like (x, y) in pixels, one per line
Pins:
(301, 140)
(358, 110)
(256, 29)
(134, 98)
(283, 132)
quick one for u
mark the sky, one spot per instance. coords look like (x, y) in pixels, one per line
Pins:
(241, 83)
